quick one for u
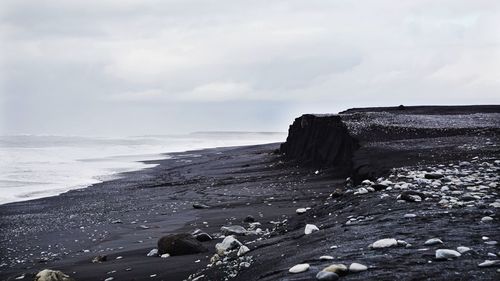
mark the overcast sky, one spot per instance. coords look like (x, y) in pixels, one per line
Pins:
(125, 67)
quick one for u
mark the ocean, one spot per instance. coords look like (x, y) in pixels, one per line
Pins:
(35, 166)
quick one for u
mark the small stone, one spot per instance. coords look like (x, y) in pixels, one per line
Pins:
(164, 256)
(433, 241)
(302, 267)
(99, 259)
(228, 243)
(153, 253)
(233, 229)
(301, 211)
(361, 190)
(357, 267)
(486, 219)
(200, 206)
(324, 258)
(339, 269)
(433, 176)
(327, 276)
(488, 263)
(249, 219)
(443, 254)
(384, 243)
(462, 249)
(310, 228)
(243, 250)
(245, 264)
(109, 279)
(409, 216)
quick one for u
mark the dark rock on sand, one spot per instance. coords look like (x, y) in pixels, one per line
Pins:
(412, 196)
(433, 176)
(249, 218)
(203, 237)
(180, 244)
(200, 206)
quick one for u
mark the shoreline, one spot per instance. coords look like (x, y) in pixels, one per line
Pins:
(438, 184)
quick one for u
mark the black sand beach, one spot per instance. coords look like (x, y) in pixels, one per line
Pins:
(415, 174)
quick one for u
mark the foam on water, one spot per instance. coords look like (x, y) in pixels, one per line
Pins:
(40, 166)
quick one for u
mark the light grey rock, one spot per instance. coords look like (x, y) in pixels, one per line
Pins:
(298, 268)
(153, 253)
(310, 228)
(462, 249)
(489, 263)
(233, 230)
(486, 219)
(228, 243)
(327, 276)
(243, 250)
(301, 211)
(433, 241)
(444, 254)
(357, 267)
(384, 243)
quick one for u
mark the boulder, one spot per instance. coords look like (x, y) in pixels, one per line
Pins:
(228, 243)
(179, 244)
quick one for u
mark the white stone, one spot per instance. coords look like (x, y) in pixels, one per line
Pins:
(488, 263)
(326, 258)
(301, 210)
(462, 249)
(243, 250)
(310, 228)
(443, 254)
(153, 253)
(164, 256)
(361, 190)
(299, 268)
(357, 267)
(228, 243)
(409, 216)
(384, 243)
(433, 241)
(486, 219)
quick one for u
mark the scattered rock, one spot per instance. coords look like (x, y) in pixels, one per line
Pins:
(299, 268)
(327, 276)
(301, 211)
(228, 243)
(324, 258)
(233, 230)
(411, 196)
(433, 176)
(243, 250)
(462, 249)
(489, 263)
(203, 237)
(338, 269)
(99, 259)
(249, 219)
(52, 275)
(153, 253)
(384, 243)
(310, 228)
(180, 244)
(486, 219)
(200, 206)
(409, 216)
(444, 254)
(164, 256)
(433, 241)
(357, 267)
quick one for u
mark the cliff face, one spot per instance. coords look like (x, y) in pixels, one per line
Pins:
(366, 143)
(320, 141)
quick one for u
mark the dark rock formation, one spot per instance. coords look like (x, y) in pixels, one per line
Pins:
(365, 143)
(320, 141)
(180, 244)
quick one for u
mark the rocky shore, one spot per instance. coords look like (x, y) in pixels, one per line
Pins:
(409, 193)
